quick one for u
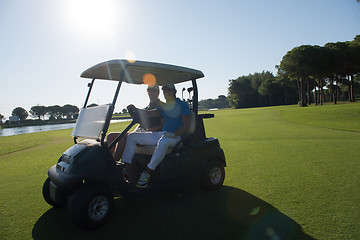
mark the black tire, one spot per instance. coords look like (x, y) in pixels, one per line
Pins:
(91, 206)
(213, 175)
(46, 195)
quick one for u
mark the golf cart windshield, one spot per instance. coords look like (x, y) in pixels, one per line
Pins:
(90, 122)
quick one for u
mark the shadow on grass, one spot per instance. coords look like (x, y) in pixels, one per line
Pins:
(228, 213)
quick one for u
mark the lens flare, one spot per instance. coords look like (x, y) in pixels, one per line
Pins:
(149, 79)
(254, 211)
(172, 110)
(130, 56)
(244, 207)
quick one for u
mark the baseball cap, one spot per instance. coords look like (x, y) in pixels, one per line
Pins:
(168, 85)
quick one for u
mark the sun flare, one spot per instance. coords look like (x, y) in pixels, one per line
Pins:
(130, 56)
(91, 18)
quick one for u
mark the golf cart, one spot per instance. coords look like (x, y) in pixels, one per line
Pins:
(86, 178)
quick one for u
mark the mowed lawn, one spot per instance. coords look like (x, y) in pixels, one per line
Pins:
(292, 173)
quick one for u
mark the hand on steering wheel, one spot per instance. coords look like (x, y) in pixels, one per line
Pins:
(131, 109)
(133, 112)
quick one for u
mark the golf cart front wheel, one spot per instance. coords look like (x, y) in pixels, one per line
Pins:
(90, 206)
(213, 175)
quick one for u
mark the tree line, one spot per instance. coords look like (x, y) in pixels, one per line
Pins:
(306, 74)
(55, 112)
(220, 102)
(333, 66)
(261, 89)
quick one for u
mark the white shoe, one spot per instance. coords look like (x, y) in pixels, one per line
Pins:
(144, 180)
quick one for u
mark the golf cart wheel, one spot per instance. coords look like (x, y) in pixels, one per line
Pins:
(91, 206)
(46, 194)
(213, 175)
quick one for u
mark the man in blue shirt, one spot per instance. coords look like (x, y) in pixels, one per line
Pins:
(176, 115)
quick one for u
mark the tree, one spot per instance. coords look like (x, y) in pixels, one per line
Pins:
(20, 112)
(272, 90)
(241, 94)
(309, 69)
(206, 103)
(262, 89)
(314, 63)
(344, 65)
(92, 105)
(352, 64)
(297, 63)
(337, 58)
(54, 111)
(70, 111)
(38, 111)
(1, 118)
(220, 102)
(288, 87)
(318, 70)
(289, 67)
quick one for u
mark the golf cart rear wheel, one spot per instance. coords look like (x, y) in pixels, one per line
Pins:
(90, 206)
(46, 195)
(213, 175)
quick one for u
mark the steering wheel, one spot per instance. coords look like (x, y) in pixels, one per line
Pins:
(134, 113)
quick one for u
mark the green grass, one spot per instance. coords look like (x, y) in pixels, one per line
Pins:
(340, 116)
(291, 171)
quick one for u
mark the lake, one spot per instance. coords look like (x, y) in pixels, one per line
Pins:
(41, 128)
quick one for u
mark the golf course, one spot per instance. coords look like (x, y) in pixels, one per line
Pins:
(292, 173)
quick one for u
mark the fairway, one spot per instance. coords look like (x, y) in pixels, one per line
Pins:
(292, 173)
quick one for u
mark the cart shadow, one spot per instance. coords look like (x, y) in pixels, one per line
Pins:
(191, 213)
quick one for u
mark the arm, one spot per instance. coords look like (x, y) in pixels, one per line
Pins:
(143, 112)
(158, 127)
(185, 125)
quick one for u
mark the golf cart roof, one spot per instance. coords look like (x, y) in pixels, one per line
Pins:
(136, 70)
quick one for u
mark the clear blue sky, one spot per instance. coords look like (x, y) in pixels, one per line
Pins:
(46, 44)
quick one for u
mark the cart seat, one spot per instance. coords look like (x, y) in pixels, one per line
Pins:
(149, 150)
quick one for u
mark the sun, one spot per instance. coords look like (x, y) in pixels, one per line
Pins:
(91, 18)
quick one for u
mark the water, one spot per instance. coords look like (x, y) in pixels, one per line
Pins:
(41, 128)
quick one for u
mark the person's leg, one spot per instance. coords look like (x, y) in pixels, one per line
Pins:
(118, 149)
(156, 158)
(163, 144)
(120, 146)
(143, 138)
(110, 138)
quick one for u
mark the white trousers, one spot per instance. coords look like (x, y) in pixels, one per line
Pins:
(148, 138)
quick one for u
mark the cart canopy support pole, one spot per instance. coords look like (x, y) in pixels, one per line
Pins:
(195, 97)
(90, 85)
(111, 108)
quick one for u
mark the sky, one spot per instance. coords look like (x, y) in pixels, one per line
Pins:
(46, 44)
